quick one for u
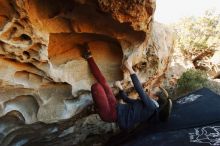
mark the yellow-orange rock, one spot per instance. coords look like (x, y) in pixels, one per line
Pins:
(40, 60)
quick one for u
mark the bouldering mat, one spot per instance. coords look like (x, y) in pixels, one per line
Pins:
(195, 120)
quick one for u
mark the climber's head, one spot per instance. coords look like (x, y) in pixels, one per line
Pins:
(158, 93)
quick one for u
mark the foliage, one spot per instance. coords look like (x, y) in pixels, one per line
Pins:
(196, 34)
(191, 80)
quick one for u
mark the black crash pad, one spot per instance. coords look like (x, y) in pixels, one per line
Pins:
(195, 120)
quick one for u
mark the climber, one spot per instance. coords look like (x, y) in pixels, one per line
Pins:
(134, 111)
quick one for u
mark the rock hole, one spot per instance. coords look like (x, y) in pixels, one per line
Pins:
(16, 114)
(26, 55)
(25, 37)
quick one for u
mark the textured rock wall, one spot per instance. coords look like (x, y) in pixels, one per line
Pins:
(42, 74)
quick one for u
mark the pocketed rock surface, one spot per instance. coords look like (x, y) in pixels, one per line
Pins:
(43, 76)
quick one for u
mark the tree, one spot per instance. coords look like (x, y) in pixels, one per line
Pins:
(196, 35)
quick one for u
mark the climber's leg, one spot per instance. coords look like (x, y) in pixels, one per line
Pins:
(104, 108)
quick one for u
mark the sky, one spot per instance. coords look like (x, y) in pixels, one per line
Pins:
(170, 11)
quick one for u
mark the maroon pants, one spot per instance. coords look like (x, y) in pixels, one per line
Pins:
(102, 95)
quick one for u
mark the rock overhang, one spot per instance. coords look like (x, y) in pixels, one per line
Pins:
(41, 62)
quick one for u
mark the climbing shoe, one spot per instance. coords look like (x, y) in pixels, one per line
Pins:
(85, 51)
(165, 105)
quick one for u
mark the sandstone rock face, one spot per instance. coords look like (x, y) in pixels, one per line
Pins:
(42, 73)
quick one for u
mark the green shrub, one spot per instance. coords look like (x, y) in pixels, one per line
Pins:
(197, 34)
(191, 80)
